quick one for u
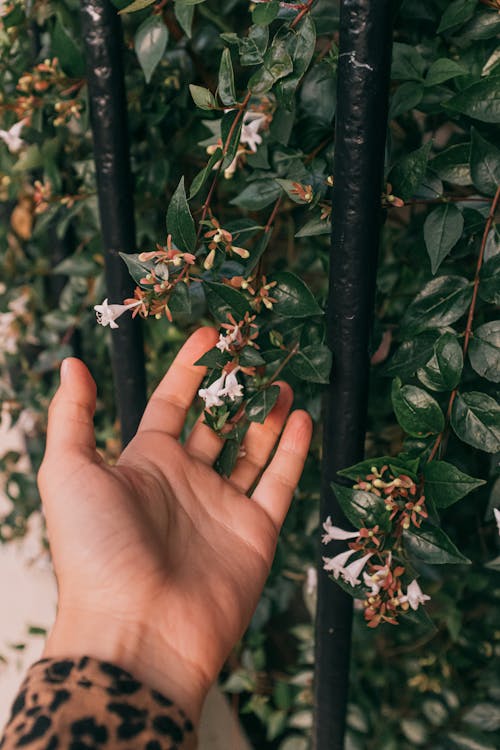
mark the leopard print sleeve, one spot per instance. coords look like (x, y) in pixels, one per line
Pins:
(86, 704)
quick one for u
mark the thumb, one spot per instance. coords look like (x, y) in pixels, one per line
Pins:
(70, 429)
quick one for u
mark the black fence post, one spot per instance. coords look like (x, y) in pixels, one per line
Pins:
(361, 123)
(102, 34)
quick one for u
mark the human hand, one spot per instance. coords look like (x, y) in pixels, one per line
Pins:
(160, 561)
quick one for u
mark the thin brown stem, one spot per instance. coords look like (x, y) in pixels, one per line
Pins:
(305, 9)
(470, 318)
(293, 351)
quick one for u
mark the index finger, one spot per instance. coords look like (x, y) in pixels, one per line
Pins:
(168, 406)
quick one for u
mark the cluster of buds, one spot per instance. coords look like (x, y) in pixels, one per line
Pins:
(220, 239)
(167, 260)
(402, 498)
(259, 288)
(66, 110)
(42, 192)
(43, 75)
(237, 336)
(388, 199)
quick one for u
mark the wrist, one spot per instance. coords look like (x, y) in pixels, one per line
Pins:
(133, 647)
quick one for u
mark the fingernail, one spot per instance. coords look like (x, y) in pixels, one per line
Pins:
(64, 370)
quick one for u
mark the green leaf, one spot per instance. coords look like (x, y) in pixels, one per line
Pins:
(443, 370)
(362, 509)
(484, 350)
(223, 299)
(407, 174)
(417, 412)
(261, 403)
(485, 24)
(315, 227)
(230, 451)
(214, 359)
(407, 63)
(226, 89)
(277, 64)
(180, 301)
(265, 13)
(312, 363)
(257, 195)
(489, 288)
(68, 53)
(441, 302)
(204, 174)
(301, 44)
(136, 5)
(430, 544)
(293, 298)
(442, 229)
(76, 265)
(445, 484)
(184, 14)
(410, 355)
(150, 43)
(251, 357)
(180, 223)
(397, 466)
(480, 101)
(484, 164)
(138, 269)
(452, 164)
(442, 70)
(406, 97)
(475, 418)
(202, 97)
(456, 14)
(252, 47)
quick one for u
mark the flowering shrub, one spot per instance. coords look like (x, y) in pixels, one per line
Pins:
(231, 107)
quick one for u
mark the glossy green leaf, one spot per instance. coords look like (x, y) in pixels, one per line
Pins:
(150, 43)
(136, 5)
(453, 164)
(315, 227)
(489, 286)
(475, 418)
(363, 468)
(230, 451)
(251, 357)
(257, 195)
(261, 403)
(441, 302)
(265, 13)
(226, 89)
(138, 269)
(184, 14)
(406, 97)
(312, 363)
(362, 509)
(485, 24)
(180, 223)
(484, 164)
(252, 47)
(442, 70)
(202, 97)
(411, 355)
(277, 64)
(223, 299)
(204, 174)
(214, 358)
(444, 484)
(180, 301)
(430, 544)
(484, 350)
(293, 298)
(443, 370)
(407, 174)
(456, 14)
(481, 100)
(300, 46)
(417, 412)
(66, 49)
(442, 229)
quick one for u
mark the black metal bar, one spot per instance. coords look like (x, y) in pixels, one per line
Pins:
(103, 40)
(361, 123)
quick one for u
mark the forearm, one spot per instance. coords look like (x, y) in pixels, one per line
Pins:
(93, 703)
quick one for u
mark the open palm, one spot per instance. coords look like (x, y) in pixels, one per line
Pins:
(160, 562)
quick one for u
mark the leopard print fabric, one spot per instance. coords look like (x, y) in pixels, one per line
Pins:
(86, 704)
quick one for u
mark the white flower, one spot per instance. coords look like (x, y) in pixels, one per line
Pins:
(12, 137)
(225, 342)
(375, 580)
(336, 564)
(212, 396)
(107, 314)
(496, 511)
(233, 389)
(335, 532)
(350, 574)
(414, 595)
(252, 123)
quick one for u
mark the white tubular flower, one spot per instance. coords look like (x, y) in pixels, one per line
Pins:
(107, 314)
(225, 342)
(233, 389)
(336, 564)
(414, 595)
(496, 511)
(375, 580)
(12, 137)
(351, 573)
(252, 123)
(212, 396)
(335, 532)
